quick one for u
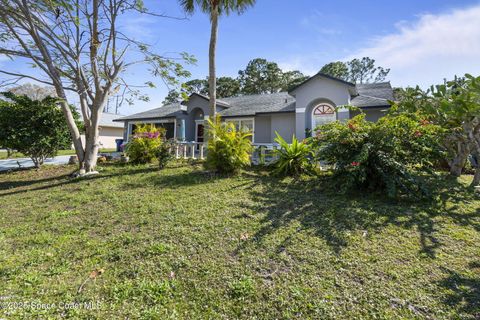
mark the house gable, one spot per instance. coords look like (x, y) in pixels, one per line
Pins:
(320, 89)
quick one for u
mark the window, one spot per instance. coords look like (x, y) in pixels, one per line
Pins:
(245, 124)
(168, 126)
(322, 114)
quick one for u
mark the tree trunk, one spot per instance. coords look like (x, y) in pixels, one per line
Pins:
(91, 139)
(212, 80)
(458, 164)
(476, 178)
(461, 155)
(476, 137)
(74, 132)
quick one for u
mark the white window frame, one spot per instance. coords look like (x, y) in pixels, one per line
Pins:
(197, 122)
(131, 123)
(244, 119)
(313, 122)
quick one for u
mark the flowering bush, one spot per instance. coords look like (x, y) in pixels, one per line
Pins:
(144, 143)
(386, 155)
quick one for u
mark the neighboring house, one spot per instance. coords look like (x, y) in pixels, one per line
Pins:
(297, 112)
(109, 129)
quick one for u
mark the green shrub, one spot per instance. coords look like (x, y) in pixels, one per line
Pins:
(144, 144)
(386, 156)
(229, 149)
(36, 128)
(164, 155)
(293, 159)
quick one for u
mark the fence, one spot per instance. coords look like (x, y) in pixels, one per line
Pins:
(263, 153)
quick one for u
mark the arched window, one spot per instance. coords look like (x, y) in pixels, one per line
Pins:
(322, 114)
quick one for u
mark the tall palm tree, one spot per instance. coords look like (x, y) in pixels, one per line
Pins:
(215, 8)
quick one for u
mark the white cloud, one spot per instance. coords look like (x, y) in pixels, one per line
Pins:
(430, 49)
(314, 20)
(303, 64)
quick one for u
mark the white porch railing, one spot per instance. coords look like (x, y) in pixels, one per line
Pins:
(189, 150)
(263, 153)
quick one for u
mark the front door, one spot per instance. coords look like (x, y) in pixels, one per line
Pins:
(200, 131)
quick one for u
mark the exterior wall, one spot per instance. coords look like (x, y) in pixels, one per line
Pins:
(263, 133)
(372, 114)
(314, 92)
(107, 137)
(194, 105)
(284, 124)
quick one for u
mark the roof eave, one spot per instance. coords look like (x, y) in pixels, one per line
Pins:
(146, 118)
(219, 102)
(320, 74)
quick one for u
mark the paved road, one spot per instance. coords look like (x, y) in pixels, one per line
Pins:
(27, 163)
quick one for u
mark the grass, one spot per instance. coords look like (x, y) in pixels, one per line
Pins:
(3, 154)
(139, 243)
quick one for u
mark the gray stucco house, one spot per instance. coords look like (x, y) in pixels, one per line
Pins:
(311, 103)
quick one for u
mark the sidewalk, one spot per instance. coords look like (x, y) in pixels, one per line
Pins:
(9, 164)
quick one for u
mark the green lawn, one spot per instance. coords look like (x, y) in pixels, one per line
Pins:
(3, 154)
(180, 243)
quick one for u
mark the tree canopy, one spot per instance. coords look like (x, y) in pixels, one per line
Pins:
(356, 71)
(455, 106)
(77, 46)
(259, 76)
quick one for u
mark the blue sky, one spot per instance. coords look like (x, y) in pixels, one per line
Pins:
(422, 41)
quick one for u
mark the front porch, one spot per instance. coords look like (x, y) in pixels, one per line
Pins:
(263, 153)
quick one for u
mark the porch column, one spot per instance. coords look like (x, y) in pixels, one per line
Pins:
(182, 130)
(300, 123)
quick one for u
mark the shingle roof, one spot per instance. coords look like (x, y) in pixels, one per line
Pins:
(365, 101)
(220, 102)
(109, 120)
(373, 95)
(260, 103)
(166, 111)
(369, 95)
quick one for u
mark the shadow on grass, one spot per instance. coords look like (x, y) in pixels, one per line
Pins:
(464, 290)
(7, 185)
(333, 216)
(183, 179)
(22, 186)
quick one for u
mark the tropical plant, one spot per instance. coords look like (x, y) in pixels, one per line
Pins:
(229, 148)
(215, 8)
(144, 144)
(293, 159)
(387, 155)
(455, 106)
(35, 128)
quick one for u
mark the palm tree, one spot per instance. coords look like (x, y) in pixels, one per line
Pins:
(215, 8)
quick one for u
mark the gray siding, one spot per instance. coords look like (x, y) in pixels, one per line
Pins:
(284, 124)
(314, 92)
(263, 132)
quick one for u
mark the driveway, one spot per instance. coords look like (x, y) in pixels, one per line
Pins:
(28, 163)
